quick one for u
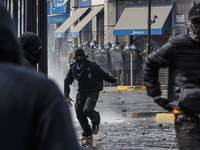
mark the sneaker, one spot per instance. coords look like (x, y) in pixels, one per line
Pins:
(95, 129)
(87, 139)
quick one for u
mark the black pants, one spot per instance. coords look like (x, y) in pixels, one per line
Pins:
(187, 128)
(85, 104)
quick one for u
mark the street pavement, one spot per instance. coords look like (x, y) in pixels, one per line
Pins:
(130, 120)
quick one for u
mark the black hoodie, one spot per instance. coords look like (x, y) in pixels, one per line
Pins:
(9, 46)
(30, 43)
(91, 80)
(33, 113)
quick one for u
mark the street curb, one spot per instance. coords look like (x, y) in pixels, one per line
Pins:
(138, 88)
(165, 117)
(131, 88)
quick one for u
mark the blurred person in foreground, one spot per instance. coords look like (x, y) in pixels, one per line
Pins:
(90, 82)
(181, 53)
(31, 45)
(33, 113)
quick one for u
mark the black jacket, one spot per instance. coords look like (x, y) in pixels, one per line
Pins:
(182, 54)
(33, 113)
(91, 81)
(27, 64)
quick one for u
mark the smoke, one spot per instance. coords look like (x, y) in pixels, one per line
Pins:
(58, 75)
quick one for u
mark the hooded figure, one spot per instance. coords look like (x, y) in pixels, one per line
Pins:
(181, 54)
(90, 82)
(33, 114)
(9, 46)
(31, 45)
(80, 64)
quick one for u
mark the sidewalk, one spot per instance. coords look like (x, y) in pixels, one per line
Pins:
(138, 88)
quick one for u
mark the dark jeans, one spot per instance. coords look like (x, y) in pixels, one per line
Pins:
(85, 104)
(187, 128)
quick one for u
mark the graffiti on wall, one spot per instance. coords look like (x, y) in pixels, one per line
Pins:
(157, 42)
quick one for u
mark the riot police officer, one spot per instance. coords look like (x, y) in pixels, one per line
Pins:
(88, 51)
(93, 43)
(101, 58)
(145, 52)
(127, 64)
(135, 63)
(71, 54)
(108, 46)
(80, 46)
(116, 61)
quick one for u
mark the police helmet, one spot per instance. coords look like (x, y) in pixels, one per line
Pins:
(115, 44)
(80, 46)
(127, 47)
(108, 46)
(74, 47)
(100, 47)
(93, 43)
(86, 43)
(134, 46)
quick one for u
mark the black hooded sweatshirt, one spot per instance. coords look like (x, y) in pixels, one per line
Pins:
(33, 113)
(30, 43)
(91, 79)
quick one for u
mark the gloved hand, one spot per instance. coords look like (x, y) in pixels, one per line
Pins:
(163, 102)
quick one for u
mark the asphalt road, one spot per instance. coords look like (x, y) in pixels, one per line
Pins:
(129, 122)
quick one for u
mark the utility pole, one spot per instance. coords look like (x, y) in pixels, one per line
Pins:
(31, 16)
(42, 32)
(149, 26)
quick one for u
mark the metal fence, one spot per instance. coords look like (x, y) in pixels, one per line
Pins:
(30, 15)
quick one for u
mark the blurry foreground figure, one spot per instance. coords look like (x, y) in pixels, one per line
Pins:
(90, 82)
(181, 54)
(33, 113)
(31, 45)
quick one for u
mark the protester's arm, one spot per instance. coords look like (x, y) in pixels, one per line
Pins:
(54, 125)
(163, 57)
(67, 82)
(99, 73)
(163, 102)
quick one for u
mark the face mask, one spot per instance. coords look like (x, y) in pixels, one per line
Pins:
(194, 31)
(41, 50)
(80, 63)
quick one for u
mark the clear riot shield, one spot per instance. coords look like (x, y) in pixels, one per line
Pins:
(71, 57)
(127, 59)
(135, 59)
(101, 58)
(116, 59)
(71, 54)
(88, 52)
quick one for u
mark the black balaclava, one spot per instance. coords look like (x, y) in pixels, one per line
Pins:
(80, 62)
(194, 31)
(9, 44)
(30, 44)
(194, 23)
(79, 67)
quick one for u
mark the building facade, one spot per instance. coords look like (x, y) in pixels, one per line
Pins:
(124, 21)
